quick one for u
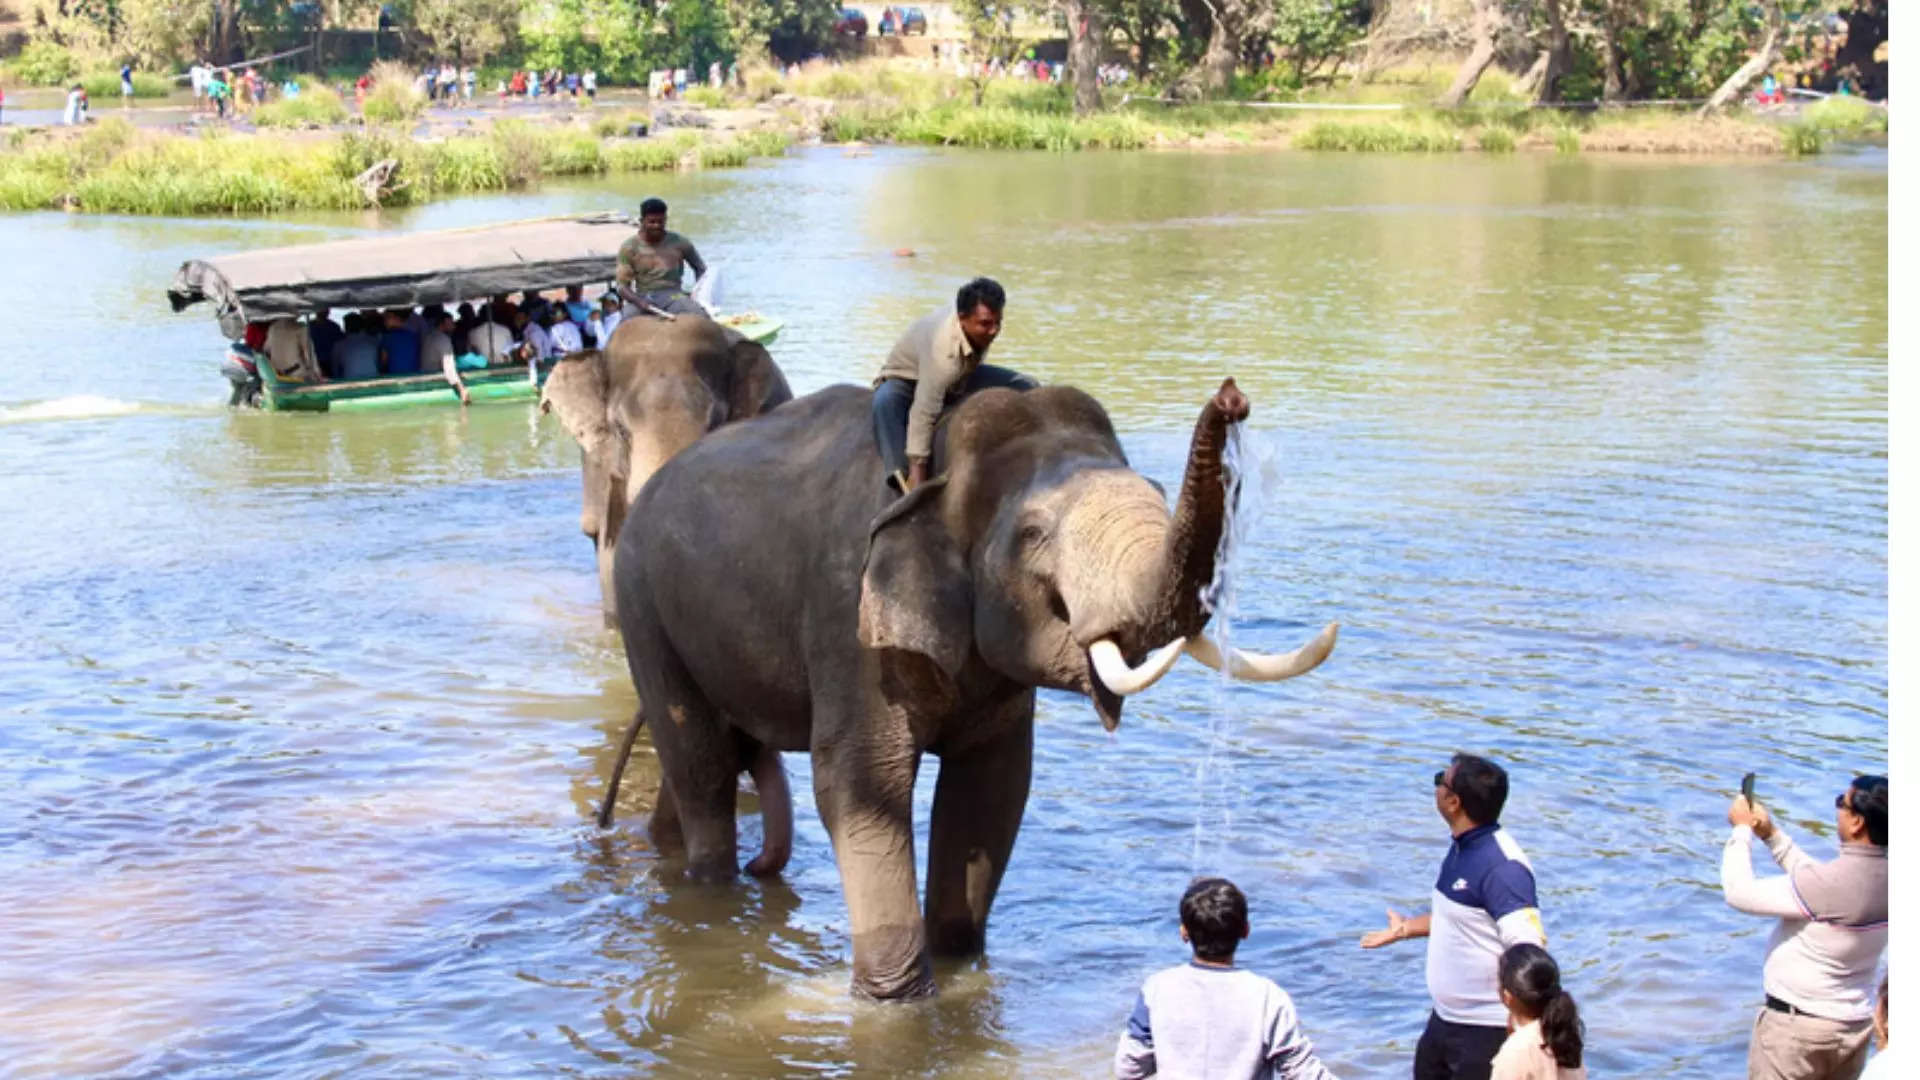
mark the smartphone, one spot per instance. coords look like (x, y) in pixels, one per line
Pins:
(1746, 787)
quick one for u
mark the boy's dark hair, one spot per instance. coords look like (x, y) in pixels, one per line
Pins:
(1868, 798)
(979, 291)
(653, 206)
(1214, 913)
(1482, 787)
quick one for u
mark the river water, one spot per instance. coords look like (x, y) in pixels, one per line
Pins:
(305, 716)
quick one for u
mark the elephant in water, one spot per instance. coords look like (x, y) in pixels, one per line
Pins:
(655, 388)
(649, 393)
(780, 598)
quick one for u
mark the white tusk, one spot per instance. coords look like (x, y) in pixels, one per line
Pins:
(1260, 667)
(1118, 677)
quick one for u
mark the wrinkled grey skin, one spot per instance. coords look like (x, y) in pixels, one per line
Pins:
(656, 388)
(778, 599)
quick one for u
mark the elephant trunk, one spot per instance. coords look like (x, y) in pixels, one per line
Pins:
(1198, 521)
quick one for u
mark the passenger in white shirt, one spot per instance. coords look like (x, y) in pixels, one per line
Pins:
(535, 343)
(607, 319)
(565, 333)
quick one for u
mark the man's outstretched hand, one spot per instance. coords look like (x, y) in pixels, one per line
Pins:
(1396, 931)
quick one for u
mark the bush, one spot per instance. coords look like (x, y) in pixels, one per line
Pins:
(393, 99)
(1844, 117)
(315, 106)
(1566, 140)
(1803, 139)
(610, 125)
(520, 152)
(105, 85)
(571, 154)
(466, 163)
(762, 82)
(43, 63)
(707, 96)
(1495, 140)
(1389, 136)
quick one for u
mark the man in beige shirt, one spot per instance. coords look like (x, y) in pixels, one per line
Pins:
(290, 351)
(1824, 953)
(935, 363)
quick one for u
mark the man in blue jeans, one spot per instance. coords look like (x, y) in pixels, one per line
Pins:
(1483, 902)
(935, 364)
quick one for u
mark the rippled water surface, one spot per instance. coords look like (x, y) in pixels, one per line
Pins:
(302, 718)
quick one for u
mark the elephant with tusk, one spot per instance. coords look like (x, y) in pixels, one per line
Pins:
(780, 594)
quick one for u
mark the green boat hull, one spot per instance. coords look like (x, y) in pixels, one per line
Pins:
(411, 391)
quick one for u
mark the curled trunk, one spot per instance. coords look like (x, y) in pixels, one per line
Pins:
(1199, 518)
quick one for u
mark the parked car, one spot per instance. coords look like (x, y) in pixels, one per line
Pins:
(851, 23)
(913, 21)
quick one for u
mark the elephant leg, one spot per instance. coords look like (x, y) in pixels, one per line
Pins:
(663, 825)
(977, 805)
(864, 787)
(699, 762)
(776, 812)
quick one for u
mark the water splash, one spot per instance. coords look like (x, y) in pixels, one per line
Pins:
(1249, 471)
(75, 407)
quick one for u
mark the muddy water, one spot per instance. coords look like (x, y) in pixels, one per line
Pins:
(302, 717)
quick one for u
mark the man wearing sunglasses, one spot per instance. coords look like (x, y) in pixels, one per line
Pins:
(1483, 903)
(1824, 955)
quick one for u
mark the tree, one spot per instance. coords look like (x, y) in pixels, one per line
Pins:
(1086, 30)
(472, 30)
(990, 37)
(789, 30)
(1763, 58)
(1309, 33)
(1487, 23)
(1140, 23)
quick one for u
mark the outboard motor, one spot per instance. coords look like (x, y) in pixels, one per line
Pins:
(240, 368)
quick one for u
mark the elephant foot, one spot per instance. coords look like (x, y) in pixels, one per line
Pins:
(713, 870)
(956, 937)
(889, 964)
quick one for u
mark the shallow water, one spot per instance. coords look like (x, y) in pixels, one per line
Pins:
(305, 716)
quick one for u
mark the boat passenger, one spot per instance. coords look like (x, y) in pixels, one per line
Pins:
(606, 320)
(652, 263)
(357, 354)
(464, 320)
(399, 346)
(564, 332)
(436, 354)
(492, 341)
(577, 307)
(325, 334)
(535, 343)
(290, 351)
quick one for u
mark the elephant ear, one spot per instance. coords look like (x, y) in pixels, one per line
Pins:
(576, 391)
(757, 383)
(915, 593)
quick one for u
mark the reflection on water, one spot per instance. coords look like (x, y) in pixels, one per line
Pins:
(306, 716)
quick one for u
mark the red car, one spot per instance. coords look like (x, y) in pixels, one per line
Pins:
(851, 23)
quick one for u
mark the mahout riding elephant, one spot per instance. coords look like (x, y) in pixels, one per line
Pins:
(656, 387)
(774, 595)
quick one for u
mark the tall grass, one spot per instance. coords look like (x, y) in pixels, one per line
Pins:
(315, 106)
(113, 168)
(1844, 118)
(1381, 136)
(393, 98)
(103, 86)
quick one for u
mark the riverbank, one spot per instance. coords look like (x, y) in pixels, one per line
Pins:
(113, 167)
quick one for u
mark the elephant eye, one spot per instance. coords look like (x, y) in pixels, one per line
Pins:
(1031, 534)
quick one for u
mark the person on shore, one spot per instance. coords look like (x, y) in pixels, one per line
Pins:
(197, 82)
(126, 83)
(935, 364)
(467, 80)
(1547, 1039)
(1209, 1018)
(357, 354)
(590, 82)
(652, 265)
(1825, 950)
(290, 351)
(325, 334)
(71, 116)
(1483, 904)
(399, 346)
(218, 91)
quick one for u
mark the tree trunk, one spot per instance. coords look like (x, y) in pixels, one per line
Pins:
(1559, 55)
(1612, 60)
(1761, 60)
(1217, 64)
(1486, 30)
(1085, 31)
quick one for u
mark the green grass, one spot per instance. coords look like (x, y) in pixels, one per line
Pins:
(113, 168)
(1381, 136)
(316, 106)
(1844, 118)
(610, 124)
(1803, 139)
(103, 86)
(1495, 140)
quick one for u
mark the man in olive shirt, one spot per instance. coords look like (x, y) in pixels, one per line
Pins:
(933, 365)
(651, 264)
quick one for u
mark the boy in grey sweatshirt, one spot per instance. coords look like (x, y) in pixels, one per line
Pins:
(1207, 1018)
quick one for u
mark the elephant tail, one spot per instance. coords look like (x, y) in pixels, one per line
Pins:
(620, 766)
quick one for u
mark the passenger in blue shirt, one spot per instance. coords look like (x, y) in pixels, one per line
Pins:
(325, 334)
(1209, 1018)
(399, 347)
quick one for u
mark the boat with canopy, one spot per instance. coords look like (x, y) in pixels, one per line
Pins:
(406, 270)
